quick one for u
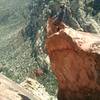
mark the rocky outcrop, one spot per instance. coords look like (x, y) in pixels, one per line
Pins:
(28, 90)
(11, 90)
(74, 57)
(83, 15)
(37, 89)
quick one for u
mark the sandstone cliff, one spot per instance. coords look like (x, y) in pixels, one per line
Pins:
(74, 57)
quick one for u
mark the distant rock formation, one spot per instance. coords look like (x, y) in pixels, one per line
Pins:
(83, 14)
(75, 61)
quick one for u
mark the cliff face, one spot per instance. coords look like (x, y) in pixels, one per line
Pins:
(14, 50)
(73, 56)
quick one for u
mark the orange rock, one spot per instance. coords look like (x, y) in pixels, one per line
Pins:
(73, 64)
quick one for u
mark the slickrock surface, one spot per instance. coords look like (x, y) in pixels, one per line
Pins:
(28, 90)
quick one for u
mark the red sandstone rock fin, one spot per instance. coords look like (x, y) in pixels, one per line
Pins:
(74, 60)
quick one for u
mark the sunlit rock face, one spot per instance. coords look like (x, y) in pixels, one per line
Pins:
(73, 61)
(30, 89)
